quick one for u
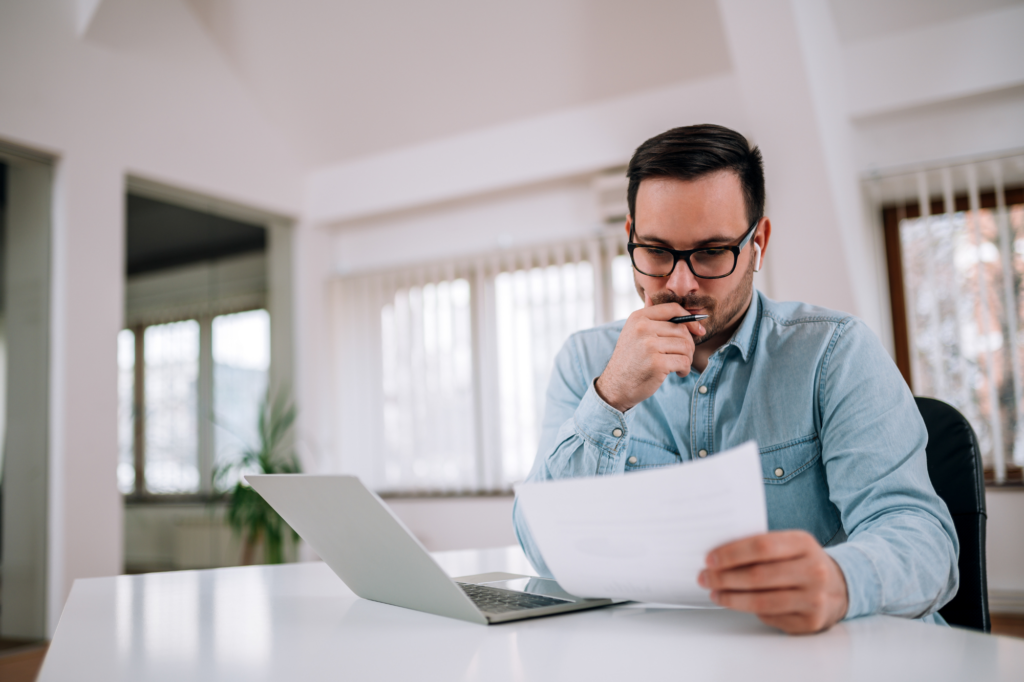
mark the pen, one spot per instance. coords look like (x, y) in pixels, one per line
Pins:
(688, 318)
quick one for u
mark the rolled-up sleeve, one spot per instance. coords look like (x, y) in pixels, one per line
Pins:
(900, 556)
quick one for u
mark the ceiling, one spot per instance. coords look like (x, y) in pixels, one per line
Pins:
(347, 79)
(342, 79)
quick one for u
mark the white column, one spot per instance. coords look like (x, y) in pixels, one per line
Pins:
(313, 355)
(788, 63)
(280, 302)
(86, 528)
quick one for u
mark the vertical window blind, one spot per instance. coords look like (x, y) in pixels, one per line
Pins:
(442, 369)
(955, 240)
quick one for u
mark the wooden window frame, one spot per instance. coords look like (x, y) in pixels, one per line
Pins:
(892, 214)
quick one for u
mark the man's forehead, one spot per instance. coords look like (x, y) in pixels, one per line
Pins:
(708, 208)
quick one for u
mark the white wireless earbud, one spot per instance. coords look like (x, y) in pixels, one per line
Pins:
(757, 255)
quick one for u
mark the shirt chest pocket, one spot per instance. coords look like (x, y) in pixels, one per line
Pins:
(643, 454)
(783, 462)
(796, 489)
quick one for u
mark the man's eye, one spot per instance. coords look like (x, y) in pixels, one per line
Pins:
(712, 253)
(657, 253)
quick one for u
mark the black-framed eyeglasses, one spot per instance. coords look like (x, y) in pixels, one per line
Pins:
(709, 263)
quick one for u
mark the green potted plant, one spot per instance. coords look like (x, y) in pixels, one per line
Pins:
(248, 513)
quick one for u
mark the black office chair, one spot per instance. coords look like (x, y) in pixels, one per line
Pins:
(954, 465)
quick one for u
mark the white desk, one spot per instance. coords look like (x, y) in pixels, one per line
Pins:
(300, 622)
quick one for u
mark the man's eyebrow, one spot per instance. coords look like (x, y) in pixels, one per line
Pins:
(716, 240)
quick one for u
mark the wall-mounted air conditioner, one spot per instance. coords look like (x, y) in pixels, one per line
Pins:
(610, 195)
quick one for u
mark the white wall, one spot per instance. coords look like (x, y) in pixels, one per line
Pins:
(152, 98)
(1005, 550)
(457, 523)
(963, 127)
(547, 212)
(163, 537)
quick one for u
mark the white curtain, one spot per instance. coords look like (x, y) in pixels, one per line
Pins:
(441, 370)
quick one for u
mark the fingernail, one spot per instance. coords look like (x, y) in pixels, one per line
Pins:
(714, 596)
(702, 579)
(712, 561)
(702, 330)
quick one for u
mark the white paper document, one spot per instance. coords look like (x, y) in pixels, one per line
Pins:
(645, 536)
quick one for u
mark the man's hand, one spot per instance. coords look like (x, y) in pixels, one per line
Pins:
(785, 577)
(648, 350)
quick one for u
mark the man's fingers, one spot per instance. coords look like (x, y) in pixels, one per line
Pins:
(794, 623)
(774, 575)
(776, 546)
(671, 345)
(673, 330)
(659, 316)
(669, 363)
(793, 611)
(696, 328)
(767, 602)
(664, 311)
(666, 329)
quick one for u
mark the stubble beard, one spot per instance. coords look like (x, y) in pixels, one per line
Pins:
(721, 313)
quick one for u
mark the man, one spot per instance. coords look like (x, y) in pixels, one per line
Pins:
(856, 527)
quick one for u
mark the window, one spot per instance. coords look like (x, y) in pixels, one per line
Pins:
(126, 410)
(241, 365)
(623, 288)
(170, 403)
(956, 262)
(167, 445)
(426, 346)
(537, 310)
(442, 371)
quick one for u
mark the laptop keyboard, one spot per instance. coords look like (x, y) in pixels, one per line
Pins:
(494, 600)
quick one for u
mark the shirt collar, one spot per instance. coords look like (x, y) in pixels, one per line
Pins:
(745, 336)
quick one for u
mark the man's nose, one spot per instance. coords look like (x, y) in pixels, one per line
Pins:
(682, 282)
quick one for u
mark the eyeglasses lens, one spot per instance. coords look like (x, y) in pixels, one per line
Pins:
(713, 262)
(706, 263)
(655, 262)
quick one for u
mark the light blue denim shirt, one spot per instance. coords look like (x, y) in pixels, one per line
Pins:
(842, 444)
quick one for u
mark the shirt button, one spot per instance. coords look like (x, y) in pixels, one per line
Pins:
(631, 460)
(617, 432)
(702, 390)
(702, 453)
(779, 472)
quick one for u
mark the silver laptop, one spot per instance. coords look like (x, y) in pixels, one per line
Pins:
(362, 541)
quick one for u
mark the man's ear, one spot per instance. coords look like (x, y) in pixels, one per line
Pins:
(764, 233)
(629, 225)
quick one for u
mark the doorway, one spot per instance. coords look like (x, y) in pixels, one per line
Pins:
(26, 182)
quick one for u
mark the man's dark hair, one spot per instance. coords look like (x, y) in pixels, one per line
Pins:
(692, 152)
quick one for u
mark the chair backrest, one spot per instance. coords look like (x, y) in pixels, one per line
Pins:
(955, 468)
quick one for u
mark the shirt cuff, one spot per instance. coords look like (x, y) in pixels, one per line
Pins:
(604, 427)
(863, 585)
